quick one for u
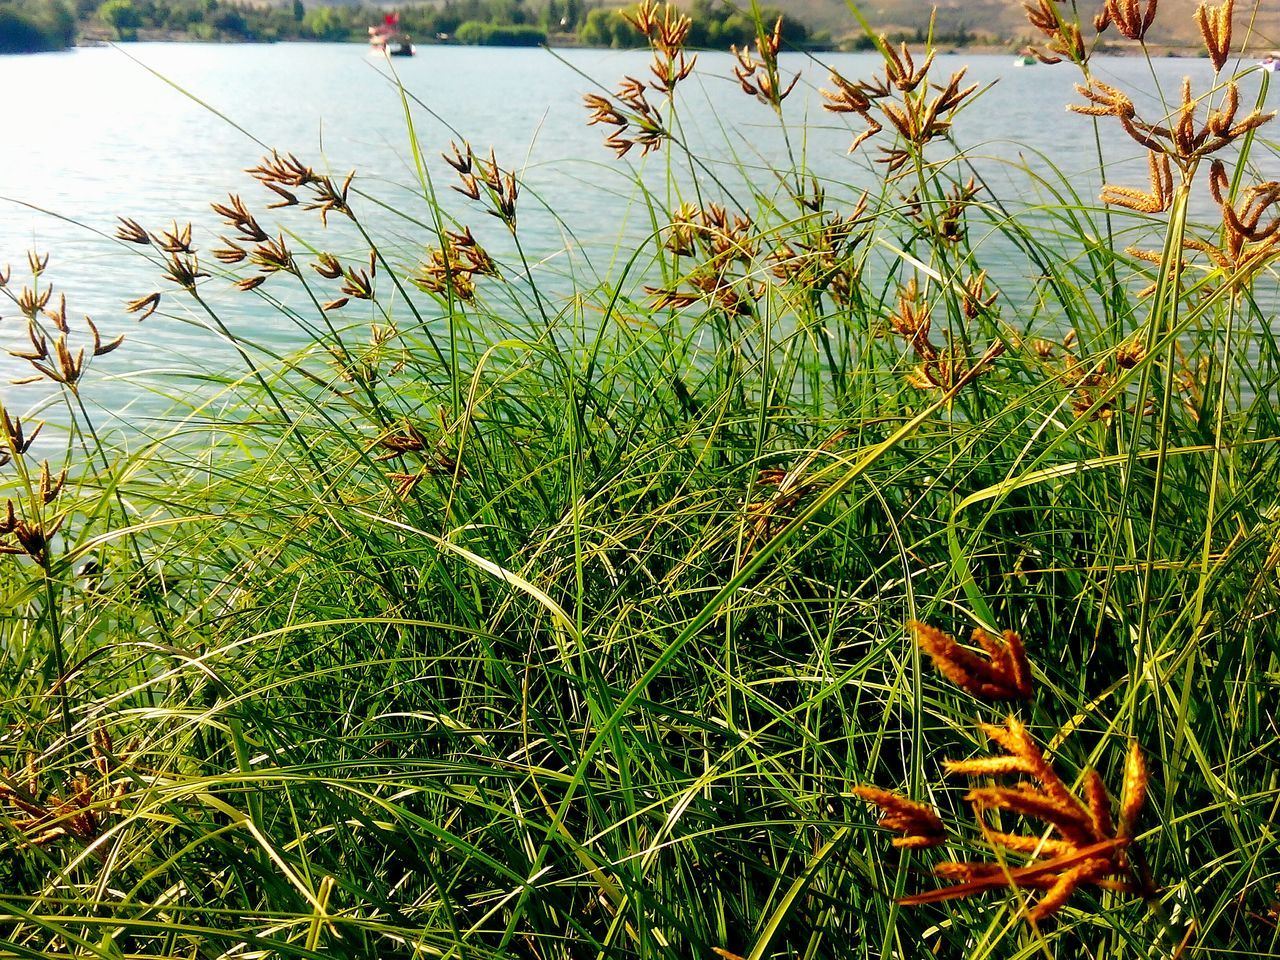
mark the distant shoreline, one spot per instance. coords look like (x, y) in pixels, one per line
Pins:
(570, 41)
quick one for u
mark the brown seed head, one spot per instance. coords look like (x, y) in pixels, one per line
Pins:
(1066, 815)
(131, 232)
(760, 77)
(1134, 792)
(602, 110)
(287, 199)
(1161, 195)
(1065, 884)
(1129, 354)
(250, 283)
(976, 300)
(175, 240)
(919, 824)
(851, 98)
(327, 266)
(39, 344)
(272, 256)
(237, 215)
(357, 283)
(101, 349)
(901, 69)
(326, 197)
(231, 253)
(184, 270)
(1215, 30)
(461, 158)
(18, 441)
(145, 305)
(285, 170)
(1004, 674)
(1099, 803)
(663, 24)
(32, 302)
(50, 486)
(1131, 19)
(1104, 101)
(1064, 36)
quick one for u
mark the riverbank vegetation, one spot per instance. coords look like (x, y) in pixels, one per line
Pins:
(494, 22)
(833, 574)
(31, 27)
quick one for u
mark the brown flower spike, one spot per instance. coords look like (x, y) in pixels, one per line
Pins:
(1079, 842)
(1180, 137)
(759, 77)
(1130, 18)
(1161, 195)
(1003, 674)
(851, 98)
(919, 825)
(1064, 36)
(1082, 846)
(1215, 29)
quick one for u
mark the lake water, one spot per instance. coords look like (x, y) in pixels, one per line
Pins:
(99, 132)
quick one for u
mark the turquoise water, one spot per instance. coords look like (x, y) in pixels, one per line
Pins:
(157, 131)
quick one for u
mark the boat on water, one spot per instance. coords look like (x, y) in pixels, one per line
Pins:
(1270, 63)
(1025, 59)
(386, 38)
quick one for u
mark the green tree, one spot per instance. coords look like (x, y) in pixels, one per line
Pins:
(607, 28)
(500, 35)
(58, 21)
(299, 11)
(123, 17)
(232, 22)
(326, 23)
(19, 33)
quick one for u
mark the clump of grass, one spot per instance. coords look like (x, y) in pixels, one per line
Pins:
(504, 620)
(1084, 845)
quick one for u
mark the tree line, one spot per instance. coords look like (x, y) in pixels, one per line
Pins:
(29, 25)
(33, 25)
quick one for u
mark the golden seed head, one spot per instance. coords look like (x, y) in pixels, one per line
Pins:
(1160, 197)
(1131, 19)
(1130, 353)
(131, 231)
(1215, 29)
(918, 823)
(250, 283)
(1004, 674)
(287, 170)
(145, 305)
(1134, 792)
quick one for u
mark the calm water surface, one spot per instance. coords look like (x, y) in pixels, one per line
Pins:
(112, 132)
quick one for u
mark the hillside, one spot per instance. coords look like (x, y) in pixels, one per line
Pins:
(1175, 24)
(1002, 20)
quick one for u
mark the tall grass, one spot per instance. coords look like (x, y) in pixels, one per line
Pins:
(542, 624)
